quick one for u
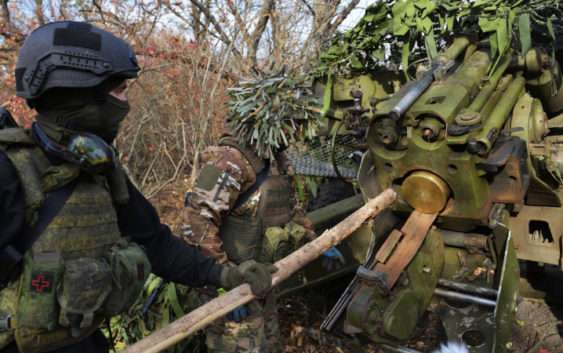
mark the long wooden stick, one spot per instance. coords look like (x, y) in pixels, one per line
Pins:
(224, 304)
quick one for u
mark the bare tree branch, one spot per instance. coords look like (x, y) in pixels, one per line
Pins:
(310, 8)
(241, 26)
(263, 18)
(196, 23)
(39, 12)
(342, 16)
(98, 6)
(206, 11)
(6, 14)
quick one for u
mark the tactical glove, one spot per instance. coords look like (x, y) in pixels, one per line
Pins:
(257, 275)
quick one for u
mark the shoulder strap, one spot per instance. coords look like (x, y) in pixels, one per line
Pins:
(27, 168)
(54, 202)
(15, 136)
(10, 258)
(260, 179)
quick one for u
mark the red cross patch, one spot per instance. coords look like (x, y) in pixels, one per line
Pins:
(41, 282)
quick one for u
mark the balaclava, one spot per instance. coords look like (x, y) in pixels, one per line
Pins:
(64, 111)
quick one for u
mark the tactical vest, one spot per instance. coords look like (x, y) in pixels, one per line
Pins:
(80, 270)
(268, 204)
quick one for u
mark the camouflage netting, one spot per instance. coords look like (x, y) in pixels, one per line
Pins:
(392, 34)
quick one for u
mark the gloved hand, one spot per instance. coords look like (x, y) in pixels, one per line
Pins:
(333, 259)
(257, 275)
(238, 314)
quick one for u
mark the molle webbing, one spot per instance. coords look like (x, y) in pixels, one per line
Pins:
(255, 161)
(85, 226)
(82, 233)
(30, 179)
(243, 230)
(275, 208)
(15, 136)
(80, 268)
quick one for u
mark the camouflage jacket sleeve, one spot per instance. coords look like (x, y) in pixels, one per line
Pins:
(225, 173)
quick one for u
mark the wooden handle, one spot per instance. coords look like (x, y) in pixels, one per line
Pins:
(224, 304)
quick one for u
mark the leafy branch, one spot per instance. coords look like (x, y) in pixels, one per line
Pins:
(272, 113)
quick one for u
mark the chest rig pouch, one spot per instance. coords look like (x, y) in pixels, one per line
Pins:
(267, 204)
(79, 270)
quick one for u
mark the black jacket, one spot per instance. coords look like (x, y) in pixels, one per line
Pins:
(170, 257)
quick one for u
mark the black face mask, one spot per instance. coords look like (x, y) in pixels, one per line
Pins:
(100, 117)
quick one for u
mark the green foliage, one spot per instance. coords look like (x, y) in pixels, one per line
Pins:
(271, 113)
(394, 33)
(171, 302)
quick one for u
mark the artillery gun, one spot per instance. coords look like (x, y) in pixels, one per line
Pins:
(474, 146)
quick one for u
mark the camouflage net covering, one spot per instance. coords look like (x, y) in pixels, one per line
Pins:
(392, 34)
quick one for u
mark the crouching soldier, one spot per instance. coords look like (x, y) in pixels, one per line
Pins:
(77, 239)
(242, 208)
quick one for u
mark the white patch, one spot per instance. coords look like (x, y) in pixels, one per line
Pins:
(233, 182)
(205, 213)
(234, 167)
(187, 230)
(452, 347)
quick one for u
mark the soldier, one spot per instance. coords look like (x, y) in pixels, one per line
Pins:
(242, 208)
(236, 196)
(77, 239)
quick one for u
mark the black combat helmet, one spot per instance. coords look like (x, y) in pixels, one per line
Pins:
(71, 55)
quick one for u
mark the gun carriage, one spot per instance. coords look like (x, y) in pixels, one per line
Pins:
(474, 147)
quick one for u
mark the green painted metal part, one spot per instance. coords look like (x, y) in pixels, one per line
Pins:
(335, 212)
(483, 97)
(394, 317)
(507, 298)
(495, 104)
(493, 124)
(442, 102)
(524, 124)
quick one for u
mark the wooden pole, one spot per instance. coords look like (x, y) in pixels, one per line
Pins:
(224, 304)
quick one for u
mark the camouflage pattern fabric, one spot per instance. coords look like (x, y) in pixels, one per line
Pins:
(224, 176)
(208, 205)
(258, 333)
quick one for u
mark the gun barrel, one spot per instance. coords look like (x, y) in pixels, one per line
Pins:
(336, 211)
(416, 89)
(412, 93)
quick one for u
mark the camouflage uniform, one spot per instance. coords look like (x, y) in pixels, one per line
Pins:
(227, 214)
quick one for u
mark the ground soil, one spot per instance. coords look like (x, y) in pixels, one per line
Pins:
(538, 328)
